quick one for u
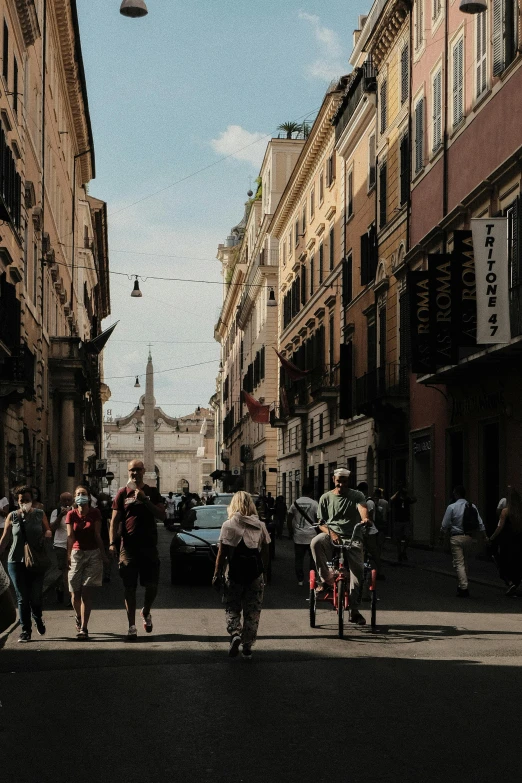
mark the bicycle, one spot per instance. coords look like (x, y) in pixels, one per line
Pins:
(339, 595)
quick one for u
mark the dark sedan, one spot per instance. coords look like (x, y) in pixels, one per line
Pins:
(194, 549)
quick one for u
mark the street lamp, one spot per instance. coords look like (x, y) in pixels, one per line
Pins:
(136, 290)
(137, 384)
(271, 299)
(133, 8)
(473, 6)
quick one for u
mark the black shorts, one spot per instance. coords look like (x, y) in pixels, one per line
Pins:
(144, 564)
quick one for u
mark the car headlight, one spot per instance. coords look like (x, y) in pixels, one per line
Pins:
(186, 549)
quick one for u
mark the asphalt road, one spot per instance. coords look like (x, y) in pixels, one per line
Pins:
(434, 695)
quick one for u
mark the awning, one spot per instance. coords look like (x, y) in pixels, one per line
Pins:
(98, 344)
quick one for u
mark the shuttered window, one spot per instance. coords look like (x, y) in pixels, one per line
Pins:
(458, 81)
(331, 249)
(383, 194)
(481, 47)
(437, 8)
(405, 73)
(504, 33)
(15, 86)
(419, 135)
(349, 195)
(437, 111)
(303, 284)
(371, 162)
(405, 168)
(384, 105)
(347, 281)
(404, 330)
(498, 37)
(311, 276)
(5, 55)
(372, 345)
(419, 23)
(321, 263)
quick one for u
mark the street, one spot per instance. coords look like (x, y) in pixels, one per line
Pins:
(432, 696)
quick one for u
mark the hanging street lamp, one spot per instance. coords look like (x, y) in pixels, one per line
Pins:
(133, 8)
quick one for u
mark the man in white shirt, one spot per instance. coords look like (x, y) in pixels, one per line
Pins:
(463, 523)
(4, 511)
(301, 518)
(171, 506)
(59, 528)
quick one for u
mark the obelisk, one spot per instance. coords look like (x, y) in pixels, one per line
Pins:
(149, 404)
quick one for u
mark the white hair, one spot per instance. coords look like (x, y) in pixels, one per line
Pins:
(342, 472)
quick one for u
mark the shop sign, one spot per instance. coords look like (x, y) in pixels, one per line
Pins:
(422, 446)
(492, 280)
(420, 322)
(464, 291)
(445, 349)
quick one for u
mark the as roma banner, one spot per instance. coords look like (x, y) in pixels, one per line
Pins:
(492, 280)
(445, 350)
(422, 359)
(464, 292)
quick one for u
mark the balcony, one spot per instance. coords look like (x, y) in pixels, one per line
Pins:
(17, 376)
(364, 81)
(382, 387)
(324, 383)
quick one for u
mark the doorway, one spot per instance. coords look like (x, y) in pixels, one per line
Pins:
(489, 476)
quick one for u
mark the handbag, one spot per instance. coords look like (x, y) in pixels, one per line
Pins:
(35, 557)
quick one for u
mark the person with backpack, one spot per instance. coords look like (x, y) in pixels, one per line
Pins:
(508, 534)
(241, 562)
(463, 523)
(302, 527)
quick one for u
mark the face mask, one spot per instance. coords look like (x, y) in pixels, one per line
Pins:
(26, 507)
(81, 500)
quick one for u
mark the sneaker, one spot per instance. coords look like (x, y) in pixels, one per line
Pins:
(25, 636)
(40, 625)
(132, 634)
(512, 589)
(233, 650)
(357, 618)
(462, 593)
(147, 622)
(247, 651)
(83, 635)
(300, 583)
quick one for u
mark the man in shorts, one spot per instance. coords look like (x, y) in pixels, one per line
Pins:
(137, 507)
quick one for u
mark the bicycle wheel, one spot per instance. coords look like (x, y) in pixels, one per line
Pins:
(341, 592)
(373, 593)
(313, 599)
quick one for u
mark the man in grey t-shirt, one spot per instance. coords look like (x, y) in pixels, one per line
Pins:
(339, 511)
(301, 520)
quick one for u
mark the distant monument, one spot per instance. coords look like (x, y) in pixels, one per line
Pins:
(148, 438)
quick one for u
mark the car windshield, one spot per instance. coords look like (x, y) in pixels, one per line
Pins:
(206, 517)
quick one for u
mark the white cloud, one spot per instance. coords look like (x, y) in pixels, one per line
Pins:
(330, 64)
(240, 144)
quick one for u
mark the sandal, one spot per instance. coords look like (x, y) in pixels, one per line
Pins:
(78, 622)
(83, 634)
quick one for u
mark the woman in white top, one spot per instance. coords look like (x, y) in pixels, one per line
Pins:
(242, 559)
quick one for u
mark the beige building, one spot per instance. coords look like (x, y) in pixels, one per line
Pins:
(51, 306)
(306, 227)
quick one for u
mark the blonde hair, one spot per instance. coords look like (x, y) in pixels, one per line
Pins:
(243, 504)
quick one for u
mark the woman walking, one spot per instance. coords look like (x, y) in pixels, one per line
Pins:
(242, 558)
(509, 534)
(280, 512)
(86, 555)
(29, 526)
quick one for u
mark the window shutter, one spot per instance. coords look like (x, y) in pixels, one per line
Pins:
(498, 37)
(383, 182)
(331, 247)
(365, 256)
(350, 194)
(321, 259)
(405, 74)
(347, 281)
(384, 106)
(458, 82)
(372, 346)
(419, 135)
(303, 284)
(481, 44)
(437, 111)
(404, 329)
(311, 276)
(371, 162)
(405, 168)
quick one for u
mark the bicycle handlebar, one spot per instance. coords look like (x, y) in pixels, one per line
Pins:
(350, 541)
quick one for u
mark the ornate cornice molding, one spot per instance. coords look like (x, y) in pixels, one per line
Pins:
(28, 19)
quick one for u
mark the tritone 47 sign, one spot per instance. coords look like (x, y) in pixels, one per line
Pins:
(492, 280)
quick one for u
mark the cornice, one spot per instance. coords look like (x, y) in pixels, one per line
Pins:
(28, 19)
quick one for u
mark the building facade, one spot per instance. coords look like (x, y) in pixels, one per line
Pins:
(53, 254)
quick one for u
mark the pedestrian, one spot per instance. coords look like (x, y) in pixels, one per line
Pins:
(86, 555)
(171, 509)
(279, 515)
(400, 504)
(37, 498)
(59, 529)
(4, 511)
(29, 526)
(372, 541)
(463, 524)
(104, 501)
(302, 527)
(7, 606)
(509, 535)
(137, 507)
(241, 561)
(339, 511)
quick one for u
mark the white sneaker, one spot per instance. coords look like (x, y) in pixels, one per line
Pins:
(132, 634)
(300, 584)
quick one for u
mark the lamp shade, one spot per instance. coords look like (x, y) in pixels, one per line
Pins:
(473, 6)
(271, 299)
(137, 384)
(136, 290)
(133, 8)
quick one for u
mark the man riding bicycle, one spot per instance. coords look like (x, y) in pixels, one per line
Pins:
(339, 511)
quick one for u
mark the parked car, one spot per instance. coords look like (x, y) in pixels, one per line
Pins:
(194, 548)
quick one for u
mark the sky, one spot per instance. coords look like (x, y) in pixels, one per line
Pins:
(182, 104)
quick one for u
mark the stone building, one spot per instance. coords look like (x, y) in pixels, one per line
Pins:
(54, 286)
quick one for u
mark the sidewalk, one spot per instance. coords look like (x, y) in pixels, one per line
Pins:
(481, 571)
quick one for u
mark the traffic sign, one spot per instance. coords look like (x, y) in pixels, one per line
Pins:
(101, 467)
(109, 476)
(236, 471)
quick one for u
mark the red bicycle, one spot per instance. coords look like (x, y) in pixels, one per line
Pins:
(339, 595)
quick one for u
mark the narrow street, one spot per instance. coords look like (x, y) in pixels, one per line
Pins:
(421, 699)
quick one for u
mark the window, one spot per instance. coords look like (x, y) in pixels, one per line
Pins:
(382, 337)
(331, 345)
(321, 261)
(321, 430)
(383, 97)
(419, 135)
(419, 23)
(368, 256)
(505, 34)
(303, 220)
(437, 9)
(371, 345)
(311, 275)
(303, 284)
(321, 187)
(330, 170)
(372, 171)
(405, 73)
(312, 203)
(5, 55)
(383, 194)
(311, 430)
(331, 248)
(347, 280)
(404, 151)
(349, 194)
(481, 48)
(457, 54)
(15, 86)
(437, 111)
(296, 233)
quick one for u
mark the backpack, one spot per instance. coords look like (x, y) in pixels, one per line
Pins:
(470, 518)
(245, 564)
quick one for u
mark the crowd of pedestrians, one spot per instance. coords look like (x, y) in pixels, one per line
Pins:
(89, 532)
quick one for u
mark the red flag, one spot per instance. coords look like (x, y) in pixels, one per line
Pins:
(293, 372)
(258, 413)
(284, 406)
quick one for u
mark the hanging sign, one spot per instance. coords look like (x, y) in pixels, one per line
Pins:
(444, 348)
(492, 280)
(464, 292)
(420, 331)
